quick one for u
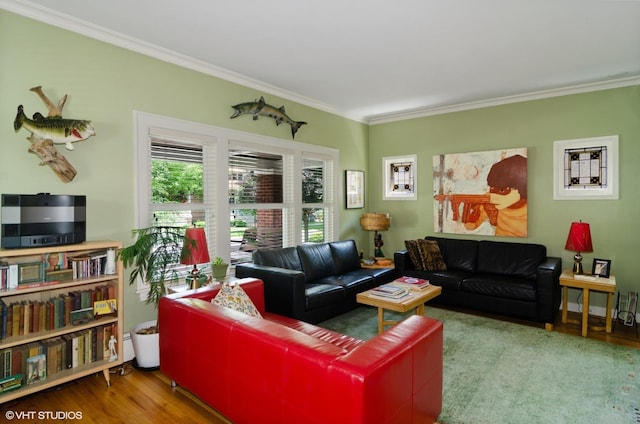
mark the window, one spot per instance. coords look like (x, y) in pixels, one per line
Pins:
(315, 192)
(255, 201)
(248, 191)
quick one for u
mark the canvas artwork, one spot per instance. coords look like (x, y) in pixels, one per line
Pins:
(481, 193)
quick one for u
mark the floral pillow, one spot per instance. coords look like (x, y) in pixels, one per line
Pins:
(234, 297)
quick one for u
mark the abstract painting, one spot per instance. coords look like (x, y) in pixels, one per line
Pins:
(482, 193)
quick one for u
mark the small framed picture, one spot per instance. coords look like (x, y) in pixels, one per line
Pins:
(30, 272)
(354, 189)
(601, 267)
(399, 178)
(55, 261)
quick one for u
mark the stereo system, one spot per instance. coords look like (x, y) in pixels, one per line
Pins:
(38, 220)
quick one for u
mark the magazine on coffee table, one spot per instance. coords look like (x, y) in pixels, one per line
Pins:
(411, 283)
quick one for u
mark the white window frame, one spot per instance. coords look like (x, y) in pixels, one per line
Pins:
(216, 142)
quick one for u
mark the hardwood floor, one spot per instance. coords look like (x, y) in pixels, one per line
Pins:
(147, 397)
(135, 397)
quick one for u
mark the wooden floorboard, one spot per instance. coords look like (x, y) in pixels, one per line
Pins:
(135, 397)
(147, 396)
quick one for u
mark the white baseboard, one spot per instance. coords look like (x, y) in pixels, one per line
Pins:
(598, 311)
(593, 310)
(127, 348)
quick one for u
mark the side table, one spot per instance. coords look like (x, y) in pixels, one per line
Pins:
(587, 283)
(375, 265)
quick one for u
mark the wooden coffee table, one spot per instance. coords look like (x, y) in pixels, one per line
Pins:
(416, 299)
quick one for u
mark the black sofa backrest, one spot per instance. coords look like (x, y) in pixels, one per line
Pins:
(516, 259)
(458, 254)
(316, 260)
(345, 256)
(286, 257)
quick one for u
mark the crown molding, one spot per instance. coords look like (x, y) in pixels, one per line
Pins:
(70, 23)
(535, 95)
(60, 20)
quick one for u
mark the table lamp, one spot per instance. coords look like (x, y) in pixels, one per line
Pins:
(194, 252)
(376, 222)
(579, 240)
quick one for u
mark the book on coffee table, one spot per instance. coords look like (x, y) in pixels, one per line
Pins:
(390, 291)
(411, 283)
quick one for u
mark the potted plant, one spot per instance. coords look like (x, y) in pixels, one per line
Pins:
(219, 268)
(153, 256)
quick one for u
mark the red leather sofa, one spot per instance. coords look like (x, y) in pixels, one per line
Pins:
(281, 370)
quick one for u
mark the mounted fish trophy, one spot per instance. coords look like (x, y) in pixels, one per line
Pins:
(50, 130)
(261, 108)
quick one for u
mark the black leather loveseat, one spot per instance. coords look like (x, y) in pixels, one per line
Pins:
(512, 279)
(312, 282)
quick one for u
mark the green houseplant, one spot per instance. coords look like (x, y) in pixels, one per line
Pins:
(153, 256)
(219, 268)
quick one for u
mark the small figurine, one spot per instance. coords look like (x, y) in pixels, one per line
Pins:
(112, 348)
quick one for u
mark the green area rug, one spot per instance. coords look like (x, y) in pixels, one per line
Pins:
(497, 372)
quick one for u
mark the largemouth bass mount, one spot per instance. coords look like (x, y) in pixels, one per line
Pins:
(58, 130)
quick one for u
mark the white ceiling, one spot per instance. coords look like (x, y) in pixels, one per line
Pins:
(375, 60)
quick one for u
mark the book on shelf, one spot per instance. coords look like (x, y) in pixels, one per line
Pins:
(12, 382)
(36, 368)
(390, 291)
(88, 264)
(412, 283)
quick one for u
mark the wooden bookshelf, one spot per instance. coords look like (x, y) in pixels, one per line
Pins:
(34, 349)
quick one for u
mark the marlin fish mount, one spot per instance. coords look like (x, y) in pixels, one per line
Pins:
(46, 132)
(261, 108)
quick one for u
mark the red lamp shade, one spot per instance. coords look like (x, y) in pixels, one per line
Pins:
(197, 252)
(579, 239)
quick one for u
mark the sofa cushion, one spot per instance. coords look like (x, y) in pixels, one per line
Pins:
(281, 258)
(458, 254)
(321, 295)
(234, 297)
(345, 256)
(338, 339)
(498, 286)
(316, 260)
(513, 259)
(432, 259)
(425, 255)
(353, 283)
(414, 253)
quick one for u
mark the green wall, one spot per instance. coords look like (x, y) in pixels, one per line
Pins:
(534, 125)
(106, 84)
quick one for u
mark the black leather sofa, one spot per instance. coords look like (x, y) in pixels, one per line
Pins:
(512, 279)
(312, 282)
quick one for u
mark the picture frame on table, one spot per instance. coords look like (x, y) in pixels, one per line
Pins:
(354, 189)
(601, 268)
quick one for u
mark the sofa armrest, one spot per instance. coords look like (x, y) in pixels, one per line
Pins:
(402, 261)
(548, 284)
(401, 370)
(284, 289)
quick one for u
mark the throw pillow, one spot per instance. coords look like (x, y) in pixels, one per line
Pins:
(236, 298)
(414, 253)
(432, 259)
